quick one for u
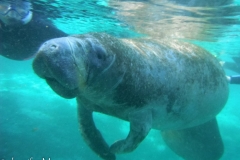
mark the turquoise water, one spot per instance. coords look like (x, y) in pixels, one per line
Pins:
(35, 122)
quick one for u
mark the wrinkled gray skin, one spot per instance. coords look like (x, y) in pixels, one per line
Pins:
(171, 86)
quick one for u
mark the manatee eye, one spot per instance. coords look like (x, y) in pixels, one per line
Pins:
(79, 45)
(97, 54)
(100, 53)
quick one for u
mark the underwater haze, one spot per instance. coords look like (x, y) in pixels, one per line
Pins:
(36, 123)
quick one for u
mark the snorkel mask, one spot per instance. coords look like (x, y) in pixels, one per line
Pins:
(15, 12)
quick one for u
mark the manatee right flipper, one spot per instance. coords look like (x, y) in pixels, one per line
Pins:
(91, 134)
(140, 125)
(202, 142)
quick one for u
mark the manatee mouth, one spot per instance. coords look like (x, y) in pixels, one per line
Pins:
(60, 89)
(57, 86)
(63, 89)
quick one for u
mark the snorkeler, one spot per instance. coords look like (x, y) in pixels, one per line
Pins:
(15, 13)
(22, 31)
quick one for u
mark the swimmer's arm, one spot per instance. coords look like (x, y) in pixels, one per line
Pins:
(233, 79)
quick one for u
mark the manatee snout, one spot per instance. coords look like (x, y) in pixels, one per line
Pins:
(55, 63)
(44, 60)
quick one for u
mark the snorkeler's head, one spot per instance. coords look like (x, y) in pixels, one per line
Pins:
(15, 12)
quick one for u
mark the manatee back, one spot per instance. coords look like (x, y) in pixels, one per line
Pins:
(190, 82)
(183, 83)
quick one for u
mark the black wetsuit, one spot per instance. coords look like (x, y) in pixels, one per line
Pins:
(22, 42)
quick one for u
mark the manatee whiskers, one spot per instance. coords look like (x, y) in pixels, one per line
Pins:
(83, 47)
(80, 66)
(71, 49)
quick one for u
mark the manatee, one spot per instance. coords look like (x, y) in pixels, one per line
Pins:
(169, 85)
(233, 65)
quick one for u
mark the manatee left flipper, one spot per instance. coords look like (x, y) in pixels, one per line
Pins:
(201, 142)
(92, 135)
(140, 125)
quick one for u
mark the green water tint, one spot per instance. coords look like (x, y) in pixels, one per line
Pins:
(37, 123)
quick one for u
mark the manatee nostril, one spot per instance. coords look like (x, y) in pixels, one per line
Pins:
(45, 44)
(53, 46)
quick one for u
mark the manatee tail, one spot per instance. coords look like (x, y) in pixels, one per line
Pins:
(202, 142)
(234, 66)
(237, 61)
